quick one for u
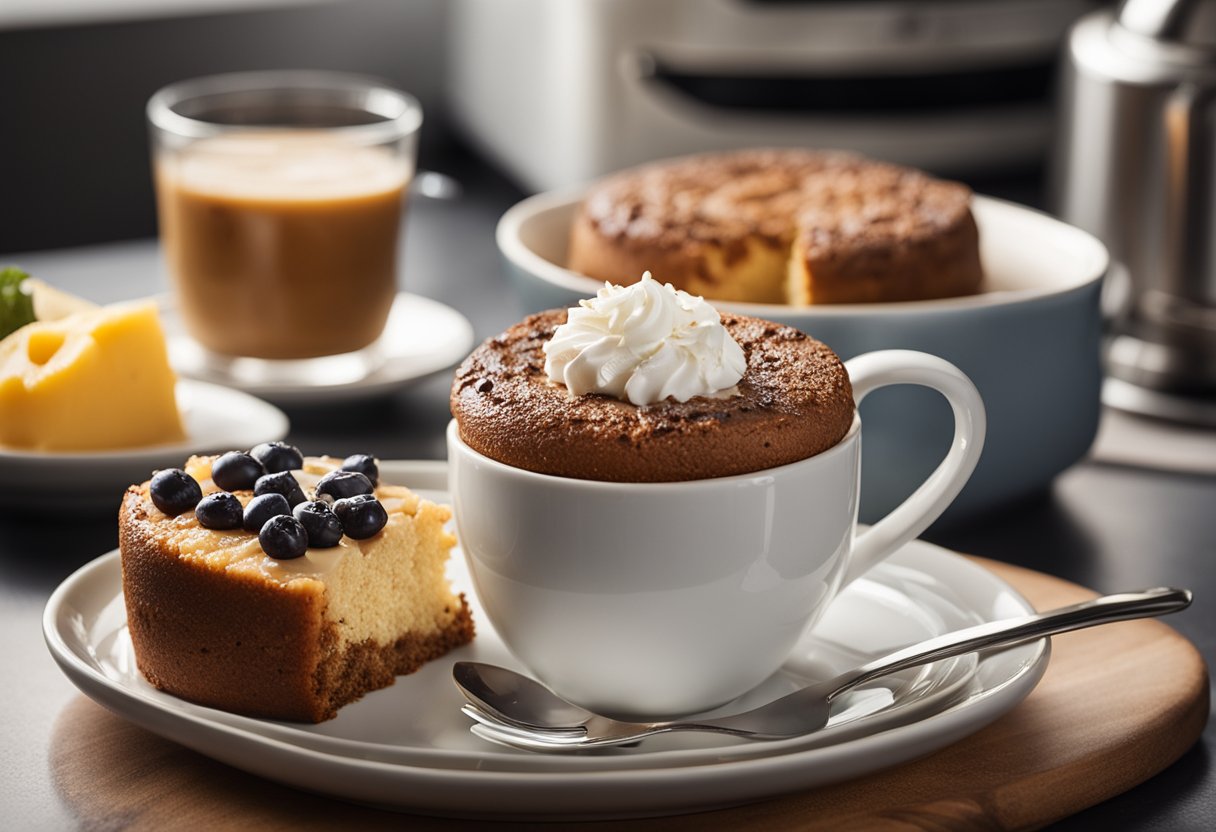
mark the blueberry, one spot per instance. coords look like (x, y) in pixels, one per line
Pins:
(365, 464)
(220, 510)
(278, 456)
(174, 492)
(323, 527)
(283, 538)
(261, 509)
(341, 484)
(236, 471)
(285, 483)
(362, 516)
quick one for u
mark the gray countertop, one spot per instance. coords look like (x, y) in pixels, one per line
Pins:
(1105, 525)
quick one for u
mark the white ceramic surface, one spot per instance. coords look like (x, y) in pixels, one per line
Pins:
(1030, 342)
(216, 419)
(720, 577)
(408, 746)
(422, 337)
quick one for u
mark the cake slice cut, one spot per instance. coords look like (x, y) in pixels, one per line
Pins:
(215, 620)
(884, 235)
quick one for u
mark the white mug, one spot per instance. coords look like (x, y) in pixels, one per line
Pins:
(659, 599)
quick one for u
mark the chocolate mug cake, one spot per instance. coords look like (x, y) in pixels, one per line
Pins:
(792, 401)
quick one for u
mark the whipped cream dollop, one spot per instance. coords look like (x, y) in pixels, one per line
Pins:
(644, 343)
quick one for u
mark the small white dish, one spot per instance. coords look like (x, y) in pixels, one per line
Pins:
(422, 337)
(216, 419)
(408, 746)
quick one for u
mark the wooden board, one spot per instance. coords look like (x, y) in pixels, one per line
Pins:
(1118, 704)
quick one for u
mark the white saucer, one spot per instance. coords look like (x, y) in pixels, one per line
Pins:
(422, 337)
(408, 747)
(216, 419)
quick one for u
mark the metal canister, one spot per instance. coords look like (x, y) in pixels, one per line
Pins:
(1136, 166)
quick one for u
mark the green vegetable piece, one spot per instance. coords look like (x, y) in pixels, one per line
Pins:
(16, 306)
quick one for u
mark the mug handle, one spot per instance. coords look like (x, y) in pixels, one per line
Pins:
(872, 370)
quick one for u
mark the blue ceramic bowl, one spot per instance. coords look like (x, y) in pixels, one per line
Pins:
(1029, 341)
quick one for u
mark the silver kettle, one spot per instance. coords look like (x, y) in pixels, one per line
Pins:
(1136, 166)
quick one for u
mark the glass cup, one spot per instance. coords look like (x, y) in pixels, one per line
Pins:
(280, 197)
(660, 599)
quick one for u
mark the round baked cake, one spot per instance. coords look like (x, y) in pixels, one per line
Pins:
(216, 620)
(793, 401)
(782, 226)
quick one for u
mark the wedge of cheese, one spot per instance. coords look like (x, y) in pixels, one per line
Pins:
(94, 380)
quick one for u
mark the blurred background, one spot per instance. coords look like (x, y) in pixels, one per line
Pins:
(550, 92)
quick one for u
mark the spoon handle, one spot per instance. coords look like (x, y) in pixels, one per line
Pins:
(1013, 631)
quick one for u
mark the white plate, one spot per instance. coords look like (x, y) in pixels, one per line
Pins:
(408, 747)
(216, 419)
(421, 337)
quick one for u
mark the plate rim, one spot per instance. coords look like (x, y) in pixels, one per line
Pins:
(519, 793)
(955, 676)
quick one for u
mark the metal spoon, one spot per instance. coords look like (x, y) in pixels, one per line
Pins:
(519, 711)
